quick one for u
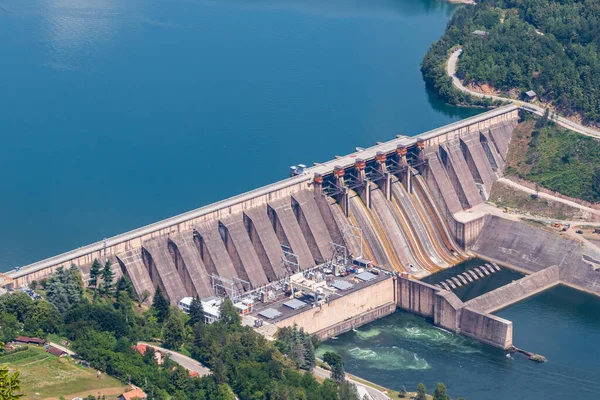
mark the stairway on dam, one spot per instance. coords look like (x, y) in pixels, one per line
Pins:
(468, 276)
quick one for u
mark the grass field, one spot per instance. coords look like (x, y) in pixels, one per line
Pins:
(45, 376)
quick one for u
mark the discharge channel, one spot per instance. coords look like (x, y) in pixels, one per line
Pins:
(560, 323)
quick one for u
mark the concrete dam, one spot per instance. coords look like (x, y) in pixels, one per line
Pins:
(391, 204)
(399, 205)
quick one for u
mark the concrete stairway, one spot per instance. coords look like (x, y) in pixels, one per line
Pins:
(440, 177)
(213, 251)
(192, 264)
(162, 269)
(352, 243)
(132, 261)
(265, 242)
(241, 251)
(288, 230)
(461, 175)
(312, 225)
(469, 276)
(478, 162)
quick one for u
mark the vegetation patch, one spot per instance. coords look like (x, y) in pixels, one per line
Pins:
(556, 158)
(549, 46)
(51, 376)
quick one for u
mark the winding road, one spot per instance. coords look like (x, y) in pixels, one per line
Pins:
(186, 362)
(566, 123)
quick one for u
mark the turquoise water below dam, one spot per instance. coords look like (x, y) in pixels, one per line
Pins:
(116, 114)
(561, 323)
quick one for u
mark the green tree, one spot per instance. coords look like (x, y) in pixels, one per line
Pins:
(174, 330)
(337, 366)
(10, 385)
(95, 273)
(33, 285)
(440, 392)
(421, 392)
(228, 314)
(347, 391)
(196, 312)
(107, 277)
(64, 289)
(124, 285)
(43, 316)
(160, 305)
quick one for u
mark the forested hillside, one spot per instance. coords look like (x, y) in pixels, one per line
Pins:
(549, 46)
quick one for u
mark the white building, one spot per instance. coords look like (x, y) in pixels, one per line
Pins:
(210, 305)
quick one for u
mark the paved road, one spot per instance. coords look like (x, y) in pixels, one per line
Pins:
(451, 71)
(186, 362)
(548, 196)
(374, 393)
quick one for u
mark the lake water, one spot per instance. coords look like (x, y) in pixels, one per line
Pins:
(118, 113)
(561, 324)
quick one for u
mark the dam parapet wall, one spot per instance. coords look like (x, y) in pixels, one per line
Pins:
(516, 291)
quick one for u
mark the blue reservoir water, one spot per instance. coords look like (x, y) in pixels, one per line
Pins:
(561, 323)
(118, 113)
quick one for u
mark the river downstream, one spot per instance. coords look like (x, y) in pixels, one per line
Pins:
(561, 323)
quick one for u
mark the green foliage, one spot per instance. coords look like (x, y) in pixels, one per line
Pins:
(229, 315)
(337, 366)
(440, 392)
(95, 272)
(196, 312)
(43, 317)
(550, 46)
(298, 345)
(564, 162)
(64, 289)
(10, 385)
(174, 330)
(107, 277)
(421, 392)
(160, 305)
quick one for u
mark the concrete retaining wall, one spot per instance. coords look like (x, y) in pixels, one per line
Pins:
(355, 306)
(449, 312)
(356, 322)
(530, 249)
(486, 328)
(516, 291)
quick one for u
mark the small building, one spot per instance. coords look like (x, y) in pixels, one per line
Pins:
(210, 305)
(55, 351)
(480, 33)
(530, 96)
(136, 393)
(30, 340)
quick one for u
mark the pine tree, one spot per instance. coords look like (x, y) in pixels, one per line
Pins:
(196, 312)
(107, 277)
(337, 366)
(310, 358)
(421, 392)
(440, 392)
(94, 273)
(160, 305)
